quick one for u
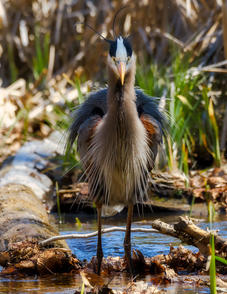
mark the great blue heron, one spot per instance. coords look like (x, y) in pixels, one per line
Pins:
(119, 129)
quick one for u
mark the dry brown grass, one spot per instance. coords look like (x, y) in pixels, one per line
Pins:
(193, 25)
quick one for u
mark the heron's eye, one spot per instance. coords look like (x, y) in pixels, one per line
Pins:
(114, 59)
(128, 59)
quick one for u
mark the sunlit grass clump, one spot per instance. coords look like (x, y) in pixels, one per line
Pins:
(189, 108)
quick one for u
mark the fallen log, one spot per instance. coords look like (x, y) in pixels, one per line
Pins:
(24, 220)
(23, 217)
(23, 223)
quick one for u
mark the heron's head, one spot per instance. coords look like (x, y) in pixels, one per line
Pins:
(120, 58)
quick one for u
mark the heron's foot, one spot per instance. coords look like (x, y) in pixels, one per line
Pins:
(99, 261)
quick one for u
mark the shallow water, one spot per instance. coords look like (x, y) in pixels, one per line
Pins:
(149, 244)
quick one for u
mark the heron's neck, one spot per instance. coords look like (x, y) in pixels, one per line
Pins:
(121, 117)
(120, 95)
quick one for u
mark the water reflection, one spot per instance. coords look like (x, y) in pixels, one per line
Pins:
(66, 283)
(62, 283)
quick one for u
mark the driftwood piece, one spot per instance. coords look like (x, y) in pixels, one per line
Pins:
(170, 264)
(189, 233)
(89, 235)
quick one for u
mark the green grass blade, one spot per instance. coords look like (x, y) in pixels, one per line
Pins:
(78, 87)
(215, 128)
(192, 204)
(218, 258)
(58, 203)
(12, 64)
(82, 289)
(212, 267)
(211, 212)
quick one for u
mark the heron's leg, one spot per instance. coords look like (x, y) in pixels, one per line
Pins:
(99, 244)
(127, 241)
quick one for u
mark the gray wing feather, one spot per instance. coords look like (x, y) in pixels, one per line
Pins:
(85, 133)
(148, 105)
(148, 109)
(94, 105)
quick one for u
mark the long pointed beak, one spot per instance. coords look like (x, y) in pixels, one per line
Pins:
(121, 67)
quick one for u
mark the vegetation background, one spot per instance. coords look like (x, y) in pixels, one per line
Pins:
(50, 59)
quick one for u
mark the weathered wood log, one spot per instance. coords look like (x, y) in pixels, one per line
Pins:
(23, 217)
(24, 220)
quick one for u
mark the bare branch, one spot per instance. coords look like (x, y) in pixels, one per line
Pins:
(89, 235)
